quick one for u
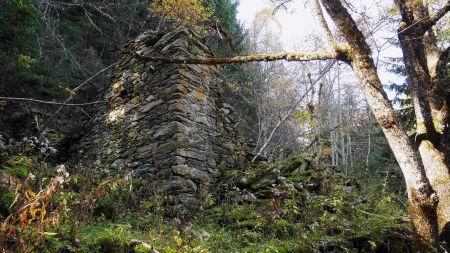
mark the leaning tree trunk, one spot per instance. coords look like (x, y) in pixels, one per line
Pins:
(421, 56)
(422, 199)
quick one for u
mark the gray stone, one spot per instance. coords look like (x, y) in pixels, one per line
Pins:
(299, 186)
(177, 184)
(202, 119)
(246, 198)
(165, 148)
(149, 98)
(118, 164)
(225, 111)
(143, 170)
(147, 148)
(147, 107)
(192, 173)
(127, 107)
(348, 188)
(168, 129)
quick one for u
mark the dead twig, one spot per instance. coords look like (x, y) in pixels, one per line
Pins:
(14, 99)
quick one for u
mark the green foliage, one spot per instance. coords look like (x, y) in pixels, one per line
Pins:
(16, 166)
(143, 249)
(17, 42)
(381, 155)
(115, 238)
(303, 221)
(6, 199)
(225, 13)
(304, 117)
(56, 244)
(46, 48)
(25, 61)
(403, 100)
(21, 52)
(106, 205)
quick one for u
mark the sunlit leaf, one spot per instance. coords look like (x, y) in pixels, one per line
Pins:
(49, 233)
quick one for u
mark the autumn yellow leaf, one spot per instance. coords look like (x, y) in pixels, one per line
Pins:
(49, 233)
(183, 12)
(23, 217)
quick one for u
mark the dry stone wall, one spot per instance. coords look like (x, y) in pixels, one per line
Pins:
(166, 121)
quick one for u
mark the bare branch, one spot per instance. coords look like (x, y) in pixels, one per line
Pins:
(434, 18)
(48, 102)
(280, 5)
(291, 110)
(92, 21)
(94, 76)
(220, 31)
(77, 88)
(101, 12)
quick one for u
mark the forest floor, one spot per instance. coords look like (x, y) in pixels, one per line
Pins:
(291, 205)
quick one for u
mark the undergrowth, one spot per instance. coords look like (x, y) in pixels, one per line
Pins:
(89, 211)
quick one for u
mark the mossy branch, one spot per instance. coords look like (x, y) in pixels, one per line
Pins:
(286, 56)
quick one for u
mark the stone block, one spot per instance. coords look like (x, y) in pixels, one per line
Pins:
(170, 129)
(118, 164)
(194, 174)
(147, 107)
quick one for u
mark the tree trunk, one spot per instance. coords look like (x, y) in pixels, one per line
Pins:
(318, 125)
(422, 199)
(421, 56)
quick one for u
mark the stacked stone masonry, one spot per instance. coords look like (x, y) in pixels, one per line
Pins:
(166, 121)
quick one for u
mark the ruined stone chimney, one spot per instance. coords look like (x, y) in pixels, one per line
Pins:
(166, 121)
